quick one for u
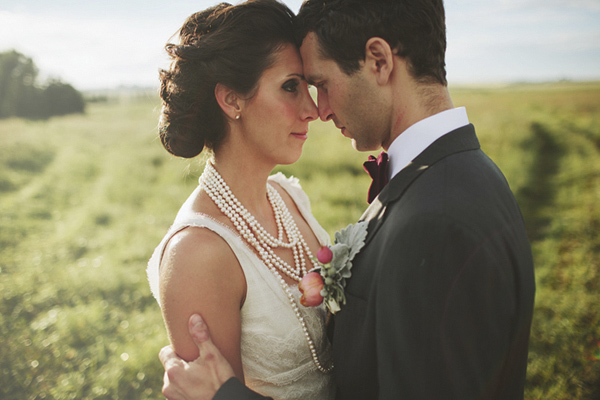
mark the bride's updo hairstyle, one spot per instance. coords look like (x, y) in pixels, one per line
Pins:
(231, 45)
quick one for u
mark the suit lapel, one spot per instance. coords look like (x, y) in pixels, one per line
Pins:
(459, 140)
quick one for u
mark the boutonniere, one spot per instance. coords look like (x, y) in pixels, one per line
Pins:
(327, 282)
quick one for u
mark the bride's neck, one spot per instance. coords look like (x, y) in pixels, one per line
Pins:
(247, 179)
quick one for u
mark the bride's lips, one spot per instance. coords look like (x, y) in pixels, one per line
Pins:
(300, 135)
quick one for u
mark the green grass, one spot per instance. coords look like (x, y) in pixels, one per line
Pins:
(85, 199)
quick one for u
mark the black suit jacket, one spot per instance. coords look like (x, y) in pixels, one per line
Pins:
(440, 301)
(441, 297)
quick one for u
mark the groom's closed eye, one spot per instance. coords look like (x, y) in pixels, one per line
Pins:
(319, 86)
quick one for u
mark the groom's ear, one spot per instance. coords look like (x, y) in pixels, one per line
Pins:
(379, 59)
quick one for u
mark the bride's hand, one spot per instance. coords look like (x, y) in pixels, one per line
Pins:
(201, 378)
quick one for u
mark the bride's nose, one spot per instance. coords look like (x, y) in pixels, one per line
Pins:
(309, 111)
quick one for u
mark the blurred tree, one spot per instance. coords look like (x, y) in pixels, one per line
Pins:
(62, 98)
(21, 96)
(17, 79)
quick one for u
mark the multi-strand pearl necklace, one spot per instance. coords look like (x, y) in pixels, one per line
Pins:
(263, 242)
(253, 232)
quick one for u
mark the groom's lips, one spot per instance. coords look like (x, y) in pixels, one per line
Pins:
(342, 129)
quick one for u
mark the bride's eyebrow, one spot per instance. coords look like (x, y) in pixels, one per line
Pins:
(298, 75)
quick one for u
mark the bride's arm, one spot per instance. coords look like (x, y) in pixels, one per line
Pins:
(200, 274)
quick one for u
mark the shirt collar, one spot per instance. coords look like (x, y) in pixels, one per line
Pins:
(410, 143)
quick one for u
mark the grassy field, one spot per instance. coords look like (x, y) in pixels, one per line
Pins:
(85, 199)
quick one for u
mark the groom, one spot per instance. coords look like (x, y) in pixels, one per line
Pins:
(440, 301)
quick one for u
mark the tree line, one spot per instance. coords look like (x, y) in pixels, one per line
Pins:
(22, 96)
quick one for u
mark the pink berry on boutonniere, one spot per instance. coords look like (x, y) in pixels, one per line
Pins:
(325, 255)
(327, 282)
(310, 286)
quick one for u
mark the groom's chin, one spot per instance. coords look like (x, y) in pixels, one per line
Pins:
(362, 146)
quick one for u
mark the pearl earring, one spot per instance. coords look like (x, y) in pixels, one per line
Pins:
(237, 116)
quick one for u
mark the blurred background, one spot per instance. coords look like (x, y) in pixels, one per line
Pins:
(106, 44)
(87, 192)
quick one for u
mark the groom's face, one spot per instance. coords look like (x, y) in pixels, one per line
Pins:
(347, 100)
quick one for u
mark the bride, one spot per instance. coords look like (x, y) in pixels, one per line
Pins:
(243, 239)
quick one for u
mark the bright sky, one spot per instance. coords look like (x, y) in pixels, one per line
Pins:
(95, 44)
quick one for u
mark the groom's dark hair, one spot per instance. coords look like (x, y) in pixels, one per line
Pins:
(414, 29)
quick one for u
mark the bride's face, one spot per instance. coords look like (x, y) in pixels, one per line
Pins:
(275, 120)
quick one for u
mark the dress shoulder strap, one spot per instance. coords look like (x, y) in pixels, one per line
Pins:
(199, 220)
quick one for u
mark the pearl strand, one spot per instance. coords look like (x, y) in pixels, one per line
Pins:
(247, 225)
(274, 199)
(296, 309)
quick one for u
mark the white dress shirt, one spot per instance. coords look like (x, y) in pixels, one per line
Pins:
(410, 143)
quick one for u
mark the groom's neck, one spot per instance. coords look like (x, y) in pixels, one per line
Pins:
(415, 103)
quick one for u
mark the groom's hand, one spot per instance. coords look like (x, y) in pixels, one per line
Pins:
(201, 378)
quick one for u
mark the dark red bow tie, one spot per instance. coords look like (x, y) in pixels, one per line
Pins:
(377, 169)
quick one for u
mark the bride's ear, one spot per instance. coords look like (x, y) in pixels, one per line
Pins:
(228, 100)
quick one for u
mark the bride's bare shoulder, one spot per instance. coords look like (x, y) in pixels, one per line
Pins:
(201, 274)
(198, 251)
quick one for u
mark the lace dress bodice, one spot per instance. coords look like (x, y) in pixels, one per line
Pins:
(275, 355)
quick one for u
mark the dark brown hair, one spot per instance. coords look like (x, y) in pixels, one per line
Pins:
(415, 29)
(231, 45)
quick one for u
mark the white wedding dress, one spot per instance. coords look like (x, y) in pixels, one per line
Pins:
(275, 355)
